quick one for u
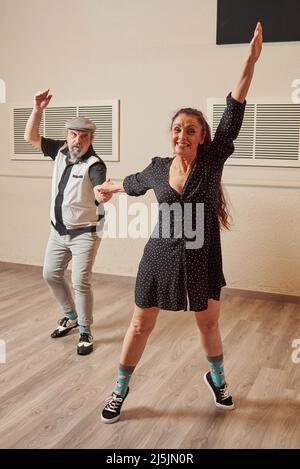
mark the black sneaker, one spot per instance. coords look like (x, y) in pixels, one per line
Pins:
(65, 325)
(112, 410)
(85, 344)
(221, 395)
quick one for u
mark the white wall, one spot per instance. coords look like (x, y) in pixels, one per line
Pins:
(155, 57)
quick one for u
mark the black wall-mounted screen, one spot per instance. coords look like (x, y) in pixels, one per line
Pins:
(236, 20)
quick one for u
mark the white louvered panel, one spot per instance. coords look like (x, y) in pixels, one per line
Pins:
(105, 114)
(55, 119)
(20, 118)
(244, 147)
(277, 133)
(269, 136)
(244, 143)
(103, 118)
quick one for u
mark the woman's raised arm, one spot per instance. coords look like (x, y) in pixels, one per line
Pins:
(241, 89)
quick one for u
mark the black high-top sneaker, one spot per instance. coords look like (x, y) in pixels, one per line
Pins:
(221, 396)
(112, 410)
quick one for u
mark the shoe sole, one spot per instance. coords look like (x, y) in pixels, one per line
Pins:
(113, 420)
(219, 406)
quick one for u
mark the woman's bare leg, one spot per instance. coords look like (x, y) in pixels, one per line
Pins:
(140, 328)
(208, 324)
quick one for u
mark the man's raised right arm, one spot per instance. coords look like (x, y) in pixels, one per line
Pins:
(32, 135)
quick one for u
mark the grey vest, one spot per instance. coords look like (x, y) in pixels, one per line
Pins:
(78, 205)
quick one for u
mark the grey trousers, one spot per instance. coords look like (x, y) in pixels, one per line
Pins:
(82, 250)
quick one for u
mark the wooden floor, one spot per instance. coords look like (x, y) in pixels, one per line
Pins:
(51, 398)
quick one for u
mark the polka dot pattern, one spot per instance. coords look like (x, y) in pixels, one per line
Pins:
(171, 276)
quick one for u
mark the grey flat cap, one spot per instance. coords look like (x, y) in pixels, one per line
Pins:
(81, 123)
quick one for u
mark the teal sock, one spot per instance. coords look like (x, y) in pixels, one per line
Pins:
(84, 329)
(217, 370)
(124, 375)
(71, 314)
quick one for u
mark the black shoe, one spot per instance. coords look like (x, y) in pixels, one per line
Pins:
(221, 396)
(65, 325)
(112, 410)
(85, 344)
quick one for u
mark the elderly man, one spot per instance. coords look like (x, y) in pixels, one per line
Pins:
(77, 172)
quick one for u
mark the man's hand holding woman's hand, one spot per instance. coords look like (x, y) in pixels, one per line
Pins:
(105, 191)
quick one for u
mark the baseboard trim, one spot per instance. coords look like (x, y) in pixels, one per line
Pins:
(260, 295)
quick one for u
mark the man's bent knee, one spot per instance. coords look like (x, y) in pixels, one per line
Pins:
(50, 276)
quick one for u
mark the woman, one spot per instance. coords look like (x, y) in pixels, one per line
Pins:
(173, 275)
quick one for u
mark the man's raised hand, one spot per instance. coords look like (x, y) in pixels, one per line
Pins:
(41, 100)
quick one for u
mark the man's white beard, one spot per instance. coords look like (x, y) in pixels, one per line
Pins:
(75, 155)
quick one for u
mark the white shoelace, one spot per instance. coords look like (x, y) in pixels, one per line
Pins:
(113, 403)
(224, 393)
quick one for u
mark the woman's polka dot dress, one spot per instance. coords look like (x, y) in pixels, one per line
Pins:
(172, 275)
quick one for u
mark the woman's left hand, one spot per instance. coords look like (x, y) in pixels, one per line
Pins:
(256, 43)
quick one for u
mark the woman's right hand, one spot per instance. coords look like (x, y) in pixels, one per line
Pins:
(102, 196)
(105, 191)
(109, 187)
